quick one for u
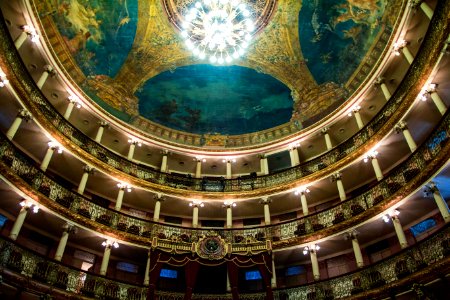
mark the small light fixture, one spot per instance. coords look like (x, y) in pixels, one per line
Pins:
(229, 203)
(302, 190)
(3, 80)
(74, 99)
(109, 243)
(134, 141)
(124, 186)
(371, 155)
(355, 109)
(55, 146)
(34, 37)
(29, 204)
(230, 160)
(196, 203)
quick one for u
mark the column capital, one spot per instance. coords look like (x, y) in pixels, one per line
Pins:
(200, 159)
(75, 100)
(159, 197)
(399, 45)
(123, 186)
(88, 169)
(430, 188)
(24, 115)
(50, 70)
(379, 81)
(415, 3)
(69, 228)
(31, 32)
(336, 176)
(265, 200)
(103, 124)
(262, 155)
(401, 126)
(324, 130)
(355, 109)
(165, 152)
(351, 235)
(229, 204)
(370, 156)
(3, 80)
(196, 204)
(134, 141)
(55, 146)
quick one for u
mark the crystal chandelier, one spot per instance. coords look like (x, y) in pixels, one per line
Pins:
(218, 30)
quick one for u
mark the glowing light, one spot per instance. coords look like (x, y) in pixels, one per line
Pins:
(218, 30)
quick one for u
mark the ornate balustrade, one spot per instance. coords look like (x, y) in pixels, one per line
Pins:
(413, 262)
(146, 176)
(401, 181)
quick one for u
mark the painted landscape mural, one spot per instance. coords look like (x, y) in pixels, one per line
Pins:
(209, 99)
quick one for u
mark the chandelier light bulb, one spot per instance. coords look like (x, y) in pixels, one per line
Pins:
(218, 30)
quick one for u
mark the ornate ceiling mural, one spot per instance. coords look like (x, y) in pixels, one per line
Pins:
(98, 33)
(209, 99)
(304, 60)
(336, 35)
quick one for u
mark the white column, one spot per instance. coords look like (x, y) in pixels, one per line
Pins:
(402, 127)
(101, 129)
(68, 228)
(47, 158)
(133, 144)
(228, 175)
(195, 216)
(440, 202)
(315, 263)
(147, 270)
(48, 70)
(20, 40)
(164, 161)
(228, 205)
(195, 205)
(424, 6)
(198, 169)
(356, 250)
(399, 231)
(437, 101)
(157, 210)
(264, 164)
(119, 198)
(105, 259)
(380, 82)
(69, 109)
(409, 57)
(27, 31)
(265, 202)
(274, 274)
(19, 222)
(337, 177)
(376, 168)
(355, 111)
(87, 170)
(327, 139)
(293, 154)
(22, 115)
(304, 203)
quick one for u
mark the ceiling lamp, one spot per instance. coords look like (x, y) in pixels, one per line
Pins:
(218, 30)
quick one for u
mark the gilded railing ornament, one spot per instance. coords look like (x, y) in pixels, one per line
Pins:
(211, 246)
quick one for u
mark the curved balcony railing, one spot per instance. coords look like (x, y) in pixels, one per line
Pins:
(40, 106)
(411, 262)
(424, 162)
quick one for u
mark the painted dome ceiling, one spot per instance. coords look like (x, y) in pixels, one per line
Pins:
(305, 59)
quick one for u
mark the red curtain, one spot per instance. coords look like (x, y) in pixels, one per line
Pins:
(266, 277)
(155, 269)
(191, 271)
(233, 275)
